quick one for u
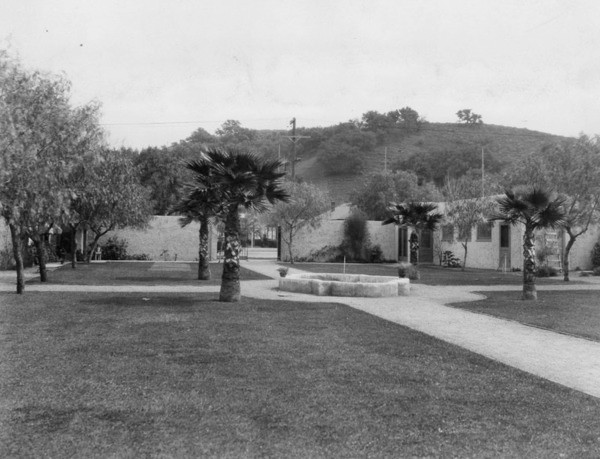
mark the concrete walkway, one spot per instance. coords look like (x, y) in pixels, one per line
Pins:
(570, 361)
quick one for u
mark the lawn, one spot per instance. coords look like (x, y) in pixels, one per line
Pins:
(573, 312)
(139, 273)
(154, 375)
(430, 274)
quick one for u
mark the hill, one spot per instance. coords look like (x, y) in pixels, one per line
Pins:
(505, 144)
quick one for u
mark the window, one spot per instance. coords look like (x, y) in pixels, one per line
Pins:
(484, 231)
(448, 233)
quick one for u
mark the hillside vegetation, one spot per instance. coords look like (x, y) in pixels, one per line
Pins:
(500, 143)
(339, 158)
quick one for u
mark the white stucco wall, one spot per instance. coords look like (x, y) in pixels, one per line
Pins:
(165, 240)
(331, 233)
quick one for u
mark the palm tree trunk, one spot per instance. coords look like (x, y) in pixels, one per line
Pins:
(290, 247)
(230, 281)
(17, 242)
(40, 248)
(414, 248)
(566, 257)
(529, 290)
(203, 252)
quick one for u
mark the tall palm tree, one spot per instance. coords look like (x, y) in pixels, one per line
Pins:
(419, 215)
(534, 209)
(237, 179)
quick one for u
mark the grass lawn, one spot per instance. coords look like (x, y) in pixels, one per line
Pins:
(573, 312)
(139, 273)
(430, 274)
(146, 375)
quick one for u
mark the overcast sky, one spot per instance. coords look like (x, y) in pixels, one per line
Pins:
(163, 68)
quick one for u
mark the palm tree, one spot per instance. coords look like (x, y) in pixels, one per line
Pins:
(236, 179)
(534, 209)
(199, 205)
(420, 216)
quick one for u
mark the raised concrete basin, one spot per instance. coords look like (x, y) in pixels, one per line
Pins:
(345, 285)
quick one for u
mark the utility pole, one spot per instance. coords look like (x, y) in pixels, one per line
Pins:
(482, 176)
(295, 138)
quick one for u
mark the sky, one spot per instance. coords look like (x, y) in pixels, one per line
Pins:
(163, 68)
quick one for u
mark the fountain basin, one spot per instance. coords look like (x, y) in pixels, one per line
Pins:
(358, 285)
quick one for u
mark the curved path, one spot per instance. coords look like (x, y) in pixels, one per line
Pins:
(567, 360)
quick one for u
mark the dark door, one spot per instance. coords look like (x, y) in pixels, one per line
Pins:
(426, 247)
(402, 244)
(504, 263)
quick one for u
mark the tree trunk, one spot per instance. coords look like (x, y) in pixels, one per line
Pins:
(73, 245)
(529, 290)
(203, 251)
(230, 281)
(566, 257)
(414, 248)
(290, 249)
(17, 242)
(464, 244)
(40, 248)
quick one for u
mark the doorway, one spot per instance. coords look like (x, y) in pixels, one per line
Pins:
(504, 263)
(426, 247)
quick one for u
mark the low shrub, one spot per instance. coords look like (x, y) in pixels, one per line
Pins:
(138, 257)
(449, 260)
(596, 255)
(114, 249)
(408, 270)
(596, 271)
(376, 254)
(547, 271)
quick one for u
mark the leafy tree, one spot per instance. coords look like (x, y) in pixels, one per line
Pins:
(379, 189)
(467, 116)
(418, 215)
(534, 209)
(572, 169)
(306, 208)
(240, 180)
(466, 207)
(161, 172)
(232, 134)
(41, 136)
(113, 197)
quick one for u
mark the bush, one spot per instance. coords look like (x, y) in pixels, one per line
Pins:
(408, 270)
(356, 237)
(596, 255)
(449, 260)
(596, 271)
(547, 271)
(138, 257)
(114, 249)
(376, 255)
